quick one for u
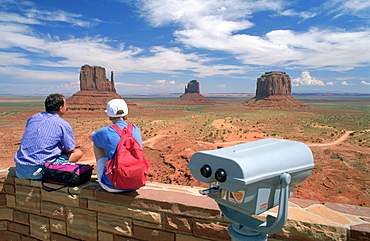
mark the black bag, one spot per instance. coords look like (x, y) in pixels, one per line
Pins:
(65, 174)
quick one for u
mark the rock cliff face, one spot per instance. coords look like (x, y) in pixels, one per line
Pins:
(192, 96)
(94, 78)
(274, 91)
(273, 83)
(192, 87)
(96, 91)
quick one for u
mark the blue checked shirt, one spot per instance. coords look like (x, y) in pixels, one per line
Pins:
(45, 137)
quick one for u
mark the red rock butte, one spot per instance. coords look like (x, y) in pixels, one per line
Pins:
(274, 91)
(95, 92)
(192, 95)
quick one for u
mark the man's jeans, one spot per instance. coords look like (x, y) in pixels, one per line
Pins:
(35, 172)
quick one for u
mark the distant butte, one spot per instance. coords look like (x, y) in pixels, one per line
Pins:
(95, 92)
(192, 95)
(274, 91)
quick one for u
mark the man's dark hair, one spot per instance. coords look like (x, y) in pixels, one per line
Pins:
(53, 102)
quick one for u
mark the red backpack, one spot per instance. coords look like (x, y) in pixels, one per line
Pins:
(128, 168)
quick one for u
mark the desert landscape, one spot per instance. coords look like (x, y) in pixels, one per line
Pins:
(335, 127)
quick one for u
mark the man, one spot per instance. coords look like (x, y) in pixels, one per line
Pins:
(47, 138)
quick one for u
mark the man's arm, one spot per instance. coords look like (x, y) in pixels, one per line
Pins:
(74, 155)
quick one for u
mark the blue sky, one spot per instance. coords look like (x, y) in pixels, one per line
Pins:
(158, 46)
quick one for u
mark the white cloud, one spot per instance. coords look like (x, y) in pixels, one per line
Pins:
(359, 8)
(29, 14)
(307, 79)
(98, 51)
(304, 14)
(164, 82)
(230, 15)
(16, 18)
(59, 16)
(64, 88)
(32, 76)
(145, 88)
(8, 59)
(222, 86)
(215, 25)
(345, 83)
(365, 83)
(345, 78)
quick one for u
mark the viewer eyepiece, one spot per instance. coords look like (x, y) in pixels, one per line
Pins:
(221, 175)
(206, 171)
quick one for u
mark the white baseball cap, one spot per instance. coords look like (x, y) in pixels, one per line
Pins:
(114, 106)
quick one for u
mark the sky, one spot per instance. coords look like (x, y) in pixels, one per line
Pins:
(158, 46)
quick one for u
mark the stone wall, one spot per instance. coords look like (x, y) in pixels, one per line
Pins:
(155, 212)
(27, 212)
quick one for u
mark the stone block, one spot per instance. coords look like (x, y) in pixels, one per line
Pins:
(21, 217)
(36, 183)
(61, 197)
(20, 181)
(214, 230)
(10, 178)
(9, 188)
(144, 215)
(178, 223)
(123, 198)
(183, 237)
(10, 200)
(349, 209)
(303, 203)
(148, 234)
(114, 224)
(298, 214)
(81, 223)
(7, 235)
(58, 226)
(89, 190)
(40, 227)
(53, 210)
(329, 214)
(360, 232)
(147, 224)
(174, 202)
(301, 230)
(19, 228)
(59, 237)
(27, 238)
(83, 202)
(28, 198)
(3, 225)
(6, 214)
(2, 199)
(105, 236)
(123, 238)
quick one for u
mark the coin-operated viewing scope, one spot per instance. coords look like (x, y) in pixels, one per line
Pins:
(250, 178)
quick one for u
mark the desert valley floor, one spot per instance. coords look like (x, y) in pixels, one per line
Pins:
(335, 128)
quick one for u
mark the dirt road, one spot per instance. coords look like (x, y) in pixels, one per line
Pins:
(340, 140)
(150, 142)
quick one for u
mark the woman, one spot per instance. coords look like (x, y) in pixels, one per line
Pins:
(106, 140)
